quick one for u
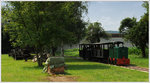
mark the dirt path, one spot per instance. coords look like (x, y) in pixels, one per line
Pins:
(136, 68)
(128, 67)
(62, 78)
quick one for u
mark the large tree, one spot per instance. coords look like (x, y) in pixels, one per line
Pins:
(95, 32)
(44, 25)
(137, 31)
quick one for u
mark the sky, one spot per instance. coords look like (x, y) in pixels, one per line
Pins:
(110, 13)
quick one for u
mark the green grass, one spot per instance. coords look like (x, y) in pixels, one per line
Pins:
(20, 71)
(72, 52)
(139, 61)
(98, 72)
(134, 59)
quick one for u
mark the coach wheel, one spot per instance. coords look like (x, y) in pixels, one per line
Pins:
(110, 62)
(114, 62)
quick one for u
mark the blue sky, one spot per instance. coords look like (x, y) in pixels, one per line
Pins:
(110, 13)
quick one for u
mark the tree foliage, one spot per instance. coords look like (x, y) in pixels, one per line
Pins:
(137, 32)
(95, 32)
(44, 25)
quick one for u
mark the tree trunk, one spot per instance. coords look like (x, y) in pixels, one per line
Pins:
(143, 52)
(39, 61)
(53, 51)
(62, 49)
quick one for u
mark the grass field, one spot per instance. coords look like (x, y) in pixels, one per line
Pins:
(139, 61)
(98, 72)
(21, 71)
(134, 59)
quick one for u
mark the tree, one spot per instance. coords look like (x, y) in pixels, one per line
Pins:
(44, 25)
(126, 25)
(95, 32)
(72, 27)
(136, 32)
(6, 44)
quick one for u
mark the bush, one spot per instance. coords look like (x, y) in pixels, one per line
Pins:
(147, 52)
(136, 51)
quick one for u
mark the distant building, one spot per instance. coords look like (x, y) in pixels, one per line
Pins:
(116, 36)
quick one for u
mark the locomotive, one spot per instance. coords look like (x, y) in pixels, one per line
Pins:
(111, 52)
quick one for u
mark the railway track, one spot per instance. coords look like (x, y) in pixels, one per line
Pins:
(132, 67)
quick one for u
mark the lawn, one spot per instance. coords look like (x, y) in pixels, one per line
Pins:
(72, 52)
(20, 71)
(134, 59)
(98, 72)
(139, 61)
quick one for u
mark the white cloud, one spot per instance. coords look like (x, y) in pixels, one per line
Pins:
(108, 23)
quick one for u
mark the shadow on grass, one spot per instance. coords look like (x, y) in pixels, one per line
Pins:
(66, 73)
(132, 65)
(34, 67)
(75, 60)
(87, 67)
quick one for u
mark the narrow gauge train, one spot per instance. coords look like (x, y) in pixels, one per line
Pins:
(111, 52)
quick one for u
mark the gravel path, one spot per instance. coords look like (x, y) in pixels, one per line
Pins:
(62, 78)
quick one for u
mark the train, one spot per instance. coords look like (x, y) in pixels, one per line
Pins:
(111, 52)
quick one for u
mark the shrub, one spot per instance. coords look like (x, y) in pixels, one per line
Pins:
(136, 51)
(147, 52)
